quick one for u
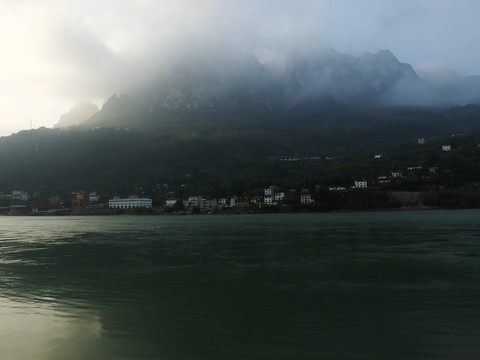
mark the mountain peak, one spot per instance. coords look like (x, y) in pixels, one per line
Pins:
(76, 115)
(387, 54)
(248, 88)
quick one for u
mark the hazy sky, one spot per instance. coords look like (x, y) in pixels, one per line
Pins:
(55, 53)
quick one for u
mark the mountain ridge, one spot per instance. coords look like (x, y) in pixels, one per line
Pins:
(249, 88)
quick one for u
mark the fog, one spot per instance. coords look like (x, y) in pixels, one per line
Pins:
(57, 53)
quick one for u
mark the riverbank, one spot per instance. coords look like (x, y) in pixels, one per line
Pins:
(348, 201)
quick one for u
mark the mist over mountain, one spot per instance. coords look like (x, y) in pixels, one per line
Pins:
(220, 127)
(78, 114)
(247, 87)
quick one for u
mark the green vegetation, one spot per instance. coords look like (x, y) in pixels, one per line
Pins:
(308, 149)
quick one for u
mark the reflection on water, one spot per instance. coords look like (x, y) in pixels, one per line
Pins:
(307, 286)
(35, 330)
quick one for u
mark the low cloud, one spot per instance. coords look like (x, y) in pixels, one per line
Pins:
(61, 52)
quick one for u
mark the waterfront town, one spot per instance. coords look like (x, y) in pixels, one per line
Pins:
(82, 203)
(407, 187)
(271, 198)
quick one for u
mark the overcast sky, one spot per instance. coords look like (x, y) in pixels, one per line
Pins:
(56, 53)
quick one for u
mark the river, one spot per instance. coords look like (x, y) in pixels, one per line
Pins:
(370, 285)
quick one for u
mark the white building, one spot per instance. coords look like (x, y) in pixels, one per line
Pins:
(272, 196)
(129, 203)
(268, 200)
(446, 148)
(280, 196)
(337, 188)
(382, 179)
(360, 184)
(20, 195)
(306, 199)
(170, 202)
(269, 191)
(208, 204)
(193, 202)
(224, 202)
(93, 197)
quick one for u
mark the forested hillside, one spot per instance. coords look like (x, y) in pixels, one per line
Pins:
(310, 146)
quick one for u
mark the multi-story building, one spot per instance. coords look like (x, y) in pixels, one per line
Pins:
(269, 191)
(360, 184)
(192, 202)
(208, 204)
(129, 203)
(20, 195)
(225, 202)
(306, 199)
(280, 196)
(268, 200)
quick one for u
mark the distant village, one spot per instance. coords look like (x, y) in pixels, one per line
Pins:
(20, 202)
(91, 203)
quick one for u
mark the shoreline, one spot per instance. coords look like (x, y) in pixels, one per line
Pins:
(161, 212)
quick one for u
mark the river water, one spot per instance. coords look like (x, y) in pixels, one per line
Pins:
(373, 285)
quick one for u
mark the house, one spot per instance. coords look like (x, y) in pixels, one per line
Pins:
(396, 174)
(129, 203)
(280, 196)
(208, 204)
(360, 184)
(242, 203)
(170, 202)
(268, 200)
(421, 141)
(93, 197)
(271, 196)
(306, 199)
(20, 196)
(446, 148)
(224, 202)
(337, 188)
(256, 199)
(270, 191)
(382, 179)
(193, 202)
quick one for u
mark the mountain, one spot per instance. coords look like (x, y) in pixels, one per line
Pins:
(235, 90)
(347, 79)
(249, 88)
(222, 127)
(309, 146)
(76, 115)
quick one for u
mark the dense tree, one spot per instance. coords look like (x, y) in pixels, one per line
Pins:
(221, 156)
